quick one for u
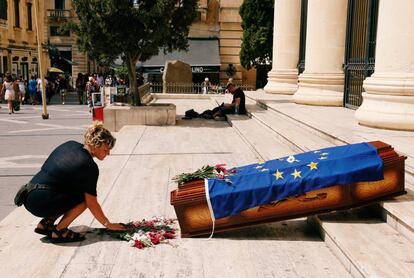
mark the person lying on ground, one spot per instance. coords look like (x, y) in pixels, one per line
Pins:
(66, 185)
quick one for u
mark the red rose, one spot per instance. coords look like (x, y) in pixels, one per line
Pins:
(169, 235)
(155, 240)
(138, 244)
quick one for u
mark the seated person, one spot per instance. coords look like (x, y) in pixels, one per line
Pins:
(237, 106)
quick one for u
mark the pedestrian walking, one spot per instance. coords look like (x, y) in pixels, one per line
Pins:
(31, 87)
(62, 87)
(22, 90)
(8, 91)
(80, 87)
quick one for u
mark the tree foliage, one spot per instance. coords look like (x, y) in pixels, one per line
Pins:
(257, 24)
(135, 30)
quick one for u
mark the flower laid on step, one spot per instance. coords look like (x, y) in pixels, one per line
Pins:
(146, 233)
(205, 172)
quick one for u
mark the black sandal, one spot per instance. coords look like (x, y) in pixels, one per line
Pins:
(65, 235)
(47, 227)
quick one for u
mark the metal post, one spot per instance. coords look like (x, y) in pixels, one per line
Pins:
(45, 115)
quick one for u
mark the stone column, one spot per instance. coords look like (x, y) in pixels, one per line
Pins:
(283, 78)
(322, 82)
(388, 101)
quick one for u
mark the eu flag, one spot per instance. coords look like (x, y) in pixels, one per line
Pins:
(262, 183)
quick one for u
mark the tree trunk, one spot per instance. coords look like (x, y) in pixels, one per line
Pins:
(131, 63)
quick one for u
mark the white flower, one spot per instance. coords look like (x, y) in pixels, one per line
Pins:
(291, 159)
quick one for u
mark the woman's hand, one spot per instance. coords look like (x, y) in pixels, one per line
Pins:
(115, 227)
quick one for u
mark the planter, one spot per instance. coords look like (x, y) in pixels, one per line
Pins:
(115, 117)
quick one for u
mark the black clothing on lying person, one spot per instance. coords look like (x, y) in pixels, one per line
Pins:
(207, 114)
(69, 168)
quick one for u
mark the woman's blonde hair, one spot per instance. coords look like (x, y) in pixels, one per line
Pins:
(96, 135)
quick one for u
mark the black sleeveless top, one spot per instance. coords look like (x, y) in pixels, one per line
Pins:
(69, 168)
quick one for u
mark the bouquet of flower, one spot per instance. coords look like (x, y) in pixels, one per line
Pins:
(146, 233)
(205, 172)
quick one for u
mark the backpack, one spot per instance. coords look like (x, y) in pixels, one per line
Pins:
(191, 114)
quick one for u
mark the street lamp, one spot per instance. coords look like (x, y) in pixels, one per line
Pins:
(45, 115)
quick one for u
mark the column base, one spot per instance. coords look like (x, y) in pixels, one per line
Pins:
(283, 82)
(387, 103)
(322, 89)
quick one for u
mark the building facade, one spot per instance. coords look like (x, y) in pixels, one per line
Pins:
(352, 53)
(72, 60)
(18, 51)
(215, 34)
(218, 23)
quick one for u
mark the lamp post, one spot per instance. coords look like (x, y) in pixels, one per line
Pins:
(45, 115)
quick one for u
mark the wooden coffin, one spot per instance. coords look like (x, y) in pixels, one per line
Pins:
(189, 200)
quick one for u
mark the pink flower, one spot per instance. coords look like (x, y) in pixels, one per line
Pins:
(138, 244)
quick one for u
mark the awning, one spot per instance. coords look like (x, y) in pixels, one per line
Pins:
(202, 55)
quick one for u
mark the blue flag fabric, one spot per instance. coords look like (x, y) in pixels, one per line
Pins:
(261, 183)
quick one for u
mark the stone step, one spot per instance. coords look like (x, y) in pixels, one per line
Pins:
(266, 145)
(303, 136)
(299, 137)
(339, 126)
(365, 245)
(267, 127)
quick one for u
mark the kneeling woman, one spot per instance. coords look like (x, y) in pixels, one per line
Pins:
(66, 185)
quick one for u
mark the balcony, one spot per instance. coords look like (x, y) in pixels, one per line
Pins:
(57, 15)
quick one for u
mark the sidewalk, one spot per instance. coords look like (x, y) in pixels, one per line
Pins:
(135, 183)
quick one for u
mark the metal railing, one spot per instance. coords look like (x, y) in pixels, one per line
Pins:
(191, 88)
(360, 48)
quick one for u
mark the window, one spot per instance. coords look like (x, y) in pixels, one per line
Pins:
(54, 31)
(3, 9)
(16, 13)
(29, 16)
(59, 4)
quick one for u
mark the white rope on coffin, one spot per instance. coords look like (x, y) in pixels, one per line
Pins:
(213, 219)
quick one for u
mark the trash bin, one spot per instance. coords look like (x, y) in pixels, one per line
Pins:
(97, 107)
(97, 114)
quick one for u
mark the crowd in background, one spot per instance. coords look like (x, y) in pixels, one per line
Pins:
(17, 91)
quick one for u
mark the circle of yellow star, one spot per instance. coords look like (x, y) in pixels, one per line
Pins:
(313, 165)
(296, 174)
(278, 174)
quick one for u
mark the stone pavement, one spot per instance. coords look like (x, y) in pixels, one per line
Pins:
(135, 183)
(26, 140)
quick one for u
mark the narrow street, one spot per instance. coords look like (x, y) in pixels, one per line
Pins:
(26, 140)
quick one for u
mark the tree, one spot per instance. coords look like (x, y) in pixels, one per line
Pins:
(135, 30)
(257, 41)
